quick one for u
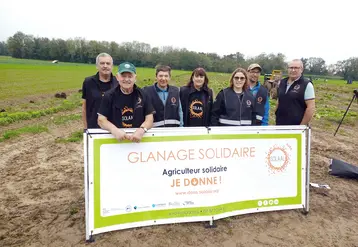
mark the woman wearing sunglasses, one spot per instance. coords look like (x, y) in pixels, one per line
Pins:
(235, 105)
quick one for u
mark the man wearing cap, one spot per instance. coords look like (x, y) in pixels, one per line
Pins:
(165, 100)
(94, 87)
(126, 106)
(296, 97)
(260, 93)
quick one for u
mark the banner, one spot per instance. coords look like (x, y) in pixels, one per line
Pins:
(193, 174)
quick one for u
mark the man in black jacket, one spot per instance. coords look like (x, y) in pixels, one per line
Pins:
(94, 87)
(126, 106)
(296, 97)
(165, 100)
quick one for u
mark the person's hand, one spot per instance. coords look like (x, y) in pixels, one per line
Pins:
(120, 135)
(137, 135)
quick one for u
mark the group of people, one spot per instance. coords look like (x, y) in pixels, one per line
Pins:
(115, 102)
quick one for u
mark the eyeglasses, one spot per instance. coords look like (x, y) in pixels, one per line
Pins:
(239, 78)
(294, 68)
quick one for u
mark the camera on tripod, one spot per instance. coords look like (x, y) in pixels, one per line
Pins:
(355, 96)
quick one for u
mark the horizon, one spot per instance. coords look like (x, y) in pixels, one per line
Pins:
(246, 57)
(199, 26)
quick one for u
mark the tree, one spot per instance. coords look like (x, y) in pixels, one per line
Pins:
(113, 51)
(348, 68)
(41, 48)
(16, 45)
(3, 49)
(80, 50)
(269, 62)
(316, 66)
(93, 49)
(304, 61)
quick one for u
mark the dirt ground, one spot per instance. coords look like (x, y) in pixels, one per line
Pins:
(42, 201)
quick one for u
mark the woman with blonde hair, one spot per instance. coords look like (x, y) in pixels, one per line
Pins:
(235, 105)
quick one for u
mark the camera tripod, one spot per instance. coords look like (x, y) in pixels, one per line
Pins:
(355, 96)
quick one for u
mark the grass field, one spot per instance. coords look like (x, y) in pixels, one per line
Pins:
(19, 78)
(22, 81)
(41, 168)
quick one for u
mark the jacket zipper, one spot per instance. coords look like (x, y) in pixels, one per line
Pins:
(165, 101)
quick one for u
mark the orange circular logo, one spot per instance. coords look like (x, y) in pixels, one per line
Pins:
(196, 109)
(277, 159)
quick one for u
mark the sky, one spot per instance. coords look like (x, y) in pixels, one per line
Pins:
(296, 28)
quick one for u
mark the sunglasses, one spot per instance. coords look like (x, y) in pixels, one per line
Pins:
(239, 78)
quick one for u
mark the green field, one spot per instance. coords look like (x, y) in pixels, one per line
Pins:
(42, 198)
(22, 77)
(25, 77)
(23, 80)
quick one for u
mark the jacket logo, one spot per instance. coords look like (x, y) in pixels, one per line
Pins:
(173, 100)
(259, 100)
(297, 87)
(248, 102)
(139, 103)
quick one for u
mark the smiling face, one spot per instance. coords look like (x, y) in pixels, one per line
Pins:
(238, 81)
(254, 75)
(163, 78)
(126, 80)
(198, 81)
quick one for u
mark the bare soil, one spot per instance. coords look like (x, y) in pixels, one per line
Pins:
(42, 201)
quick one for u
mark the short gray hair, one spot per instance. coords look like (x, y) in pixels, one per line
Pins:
(296, 60)
(103, 54)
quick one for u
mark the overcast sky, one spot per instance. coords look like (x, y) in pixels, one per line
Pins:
(296, 28)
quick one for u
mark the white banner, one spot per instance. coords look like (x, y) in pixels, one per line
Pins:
(192, 174)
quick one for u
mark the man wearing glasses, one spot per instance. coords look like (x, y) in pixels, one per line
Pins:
(260, 93)
(296, 97)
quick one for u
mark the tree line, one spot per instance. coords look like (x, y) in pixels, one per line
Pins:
(80, 50)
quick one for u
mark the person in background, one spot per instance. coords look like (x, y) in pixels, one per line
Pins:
(262, 99)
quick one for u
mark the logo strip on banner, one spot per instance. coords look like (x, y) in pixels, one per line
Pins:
(275, 155)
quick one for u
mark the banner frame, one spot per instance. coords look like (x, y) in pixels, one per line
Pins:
(88, 181)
